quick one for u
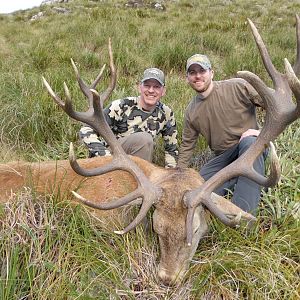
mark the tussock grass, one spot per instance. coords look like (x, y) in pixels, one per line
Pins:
(52, 250)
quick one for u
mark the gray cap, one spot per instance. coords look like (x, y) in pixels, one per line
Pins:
(154, 73)
(198, 59)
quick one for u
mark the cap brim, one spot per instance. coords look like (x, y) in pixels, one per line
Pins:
(199, 64)
(147, 78)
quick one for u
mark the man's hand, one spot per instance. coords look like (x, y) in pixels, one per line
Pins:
(250, 132)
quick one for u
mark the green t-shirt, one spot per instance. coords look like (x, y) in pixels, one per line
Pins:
(221, 117)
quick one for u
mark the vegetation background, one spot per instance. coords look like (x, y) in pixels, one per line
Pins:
(50, 250)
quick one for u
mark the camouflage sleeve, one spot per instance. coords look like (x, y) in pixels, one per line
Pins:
(114, 112)
(169, 135)
(95, 144)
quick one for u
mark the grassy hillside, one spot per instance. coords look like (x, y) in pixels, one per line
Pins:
(66, 255)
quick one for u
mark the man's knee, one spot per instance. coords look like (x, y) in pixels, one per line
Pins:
(144, 138)
(258, 164)
(206, 172)
(246, 142)
(140, 139)
(139, 144)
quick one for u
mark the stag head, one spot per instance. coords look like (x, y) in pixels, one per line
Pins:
(180, 196)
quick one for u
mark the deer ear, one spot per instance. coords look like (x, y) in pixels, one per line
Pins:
(230, 209)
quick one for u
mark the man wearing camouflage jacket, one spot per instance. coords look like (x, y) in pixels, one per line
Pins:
(137, 122)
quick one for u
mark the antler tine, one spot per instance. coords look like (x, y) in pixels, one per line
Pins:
(89, 172)
(83, 86)
(294, 84)
(280, 112)
(296, 66)
(107, 206)
(94, 117)
(140, 192)
(98, 78)
(86, 89)
(273, 73)
(52, 94)
(146, 205)
(106, 94)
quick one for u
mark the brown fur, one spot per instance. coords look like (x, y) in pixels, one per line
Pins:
(57, 177)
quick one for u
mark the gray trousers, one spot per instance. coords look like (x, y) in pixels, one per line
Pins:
(139, 144)
(246, 193)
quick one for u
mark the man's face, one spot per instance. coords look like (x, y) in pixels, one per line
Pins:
(198, 78)
(151, 91)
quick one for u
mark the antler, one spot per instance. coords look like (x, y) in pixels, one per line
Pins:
(83, 86)
(280, 112)
(94, 117)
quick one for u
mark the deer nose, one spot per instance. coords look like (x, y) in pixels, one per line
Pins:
(167, 279)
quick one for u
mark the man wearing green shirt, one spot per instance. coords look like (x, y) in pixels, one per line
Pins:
(224, 113)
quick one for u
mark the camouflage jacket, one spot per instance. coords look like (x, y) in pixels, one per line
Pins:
(125, 116)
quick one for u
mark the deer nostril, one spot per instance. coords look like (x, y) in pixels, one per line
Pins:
(166, 278)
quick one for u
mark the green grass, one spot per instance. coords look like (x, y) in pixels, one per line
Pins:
(52, 250)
